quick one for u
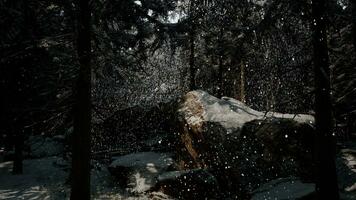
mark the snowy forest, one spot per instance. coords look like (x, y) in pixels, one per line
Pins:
(178, 99)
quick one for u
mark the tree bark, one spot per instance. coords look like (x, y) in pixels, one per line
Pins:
(242, 83)
(221, 90)
(82, 109)
(326, 185)
(353, 4)
(19, 144)
(192, 68)
(29, 31)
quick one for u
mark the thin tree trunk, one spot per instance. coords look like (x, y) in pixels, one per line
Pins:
(192, 68)
(326, 186)
(19, 144)
(82, 110)
(242, 83)
(353, 4)
(221, 91)
(29, 30)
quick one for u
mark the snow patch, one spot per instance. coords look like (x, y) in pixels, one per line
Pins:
(141, 169)
(284, 188)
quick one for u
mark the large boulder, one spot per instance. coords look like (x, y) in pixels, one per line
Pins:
(243, 146)
(139, 171)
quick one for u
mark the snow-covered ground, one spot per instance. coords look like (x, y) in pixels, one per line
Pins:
(45, 179)
(287, 188)
(40, 180)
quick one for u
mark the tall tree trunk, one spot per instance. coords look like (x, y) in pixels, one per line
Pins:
(221, 91)
(220, 79)
(29, 31)
(82, 110)
(192, 68)
(242, 83)
(353, 4)
(326, 186)
(19, 144)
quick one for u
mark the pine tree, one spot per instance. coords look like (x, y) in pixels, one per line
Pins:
(326, 186)
(82, 110)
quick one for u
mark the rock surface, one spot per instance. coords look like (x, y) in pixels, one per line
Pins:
(243, 146)
(199, 107)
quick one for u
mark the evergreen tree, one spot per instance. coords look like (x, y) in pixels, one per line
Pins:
(326, 186)
(80, 174)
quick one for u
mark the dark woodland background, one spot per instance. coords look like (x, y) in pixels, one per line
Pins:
(105, 75)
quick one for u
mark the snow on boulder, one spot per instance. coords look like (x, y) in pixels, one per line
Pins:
(247, 147)
(199, 106)
(139, 171)
(284, 188)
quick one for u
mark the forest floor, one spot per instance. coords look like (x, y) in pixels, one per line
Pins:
(45, 178)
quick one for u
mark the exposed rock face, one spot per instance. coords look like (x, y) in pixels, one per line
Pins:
(198, 107)
(275, 148)
(240, 144)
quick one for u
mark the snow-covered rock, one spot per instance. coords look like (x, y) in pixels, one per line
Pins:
(139, 171)
(248, 147)
(199, 106)
(284, 189)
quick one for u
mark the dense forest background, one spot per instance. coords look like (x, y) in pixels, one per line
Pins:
(105, 75)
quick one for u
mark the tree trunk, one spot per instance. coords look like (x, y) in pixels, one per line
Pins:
(192, 68)
(221, 91)
(19, 143)
(326, 186)
(29, 31)
(242, 83)
(82, 110)
(353, 4)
